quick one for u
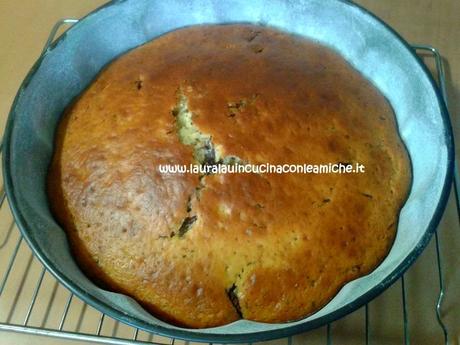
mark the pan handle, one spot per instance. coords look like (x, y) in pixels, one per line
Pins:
(54, 30)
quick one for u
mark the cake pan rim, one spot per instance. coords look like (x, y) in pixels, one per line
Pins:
(202, 335)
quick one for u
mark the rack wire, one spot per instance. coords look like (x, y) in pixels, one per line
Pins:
(22, 315)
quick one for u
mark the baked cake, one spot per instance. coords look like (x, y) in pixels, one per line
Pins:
(206, 250)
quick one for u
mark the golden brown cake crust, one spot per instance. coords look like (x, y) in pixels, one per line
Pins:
(279, 246)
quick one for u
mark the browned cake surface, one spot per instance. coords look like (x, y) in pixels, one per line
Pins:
(275, 246)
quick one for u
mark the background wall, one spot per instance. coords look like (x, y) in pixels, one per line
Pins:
(24, 27)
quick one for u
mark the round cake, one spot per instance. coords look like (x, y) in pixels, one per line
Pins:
(206, 249)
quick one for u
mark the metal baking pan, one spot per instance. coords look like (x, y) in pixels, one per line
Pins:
(69, 65)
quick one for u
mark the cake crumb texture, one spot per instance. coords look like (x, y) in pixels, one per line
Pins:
(204, 251)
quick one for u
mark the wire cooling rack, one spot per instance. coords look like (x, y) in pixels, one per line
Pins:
(38, 305)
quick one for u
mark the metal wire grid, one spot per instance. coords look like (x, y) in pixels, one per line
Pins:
(107, 330)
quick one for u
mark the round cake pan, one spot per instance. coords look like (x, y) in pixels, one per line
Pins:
(374, 49)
